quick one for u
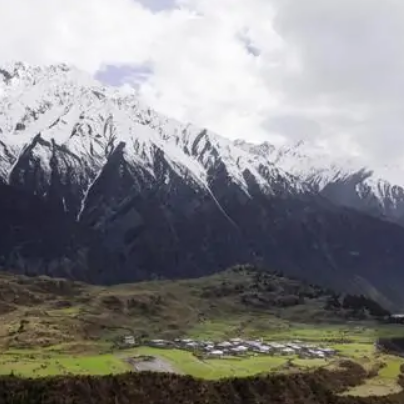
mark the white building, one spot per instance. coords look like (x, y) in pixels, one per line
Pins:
(129, 340)
(288, 351)
(275, 345)
(192, 345)
(328, 351)
(225, 344)
(263, 349)
(216, 353)
(241, 349)
(159, 343)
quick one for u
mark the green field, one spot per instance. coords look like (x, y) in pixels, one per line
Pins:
(186, 363)
(38, 363)
(100, 358)
(58, 327)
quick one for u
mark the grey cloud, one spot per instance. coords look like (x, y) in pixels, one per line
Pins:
(250, 47)
(348, 47)
(382, 135)
(293, 127)
(158, 5)
(351, 61)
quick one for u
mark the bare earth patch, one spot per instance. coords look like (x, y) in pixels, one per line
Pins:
(152, 364)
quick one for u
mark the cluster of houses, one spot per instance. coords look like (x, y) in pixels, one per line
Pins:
(395, 318)
(240, 347)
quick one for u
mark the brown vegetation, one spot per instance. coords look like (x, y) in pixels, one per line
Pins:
(394, 346)
(42, 311)
(318, 387)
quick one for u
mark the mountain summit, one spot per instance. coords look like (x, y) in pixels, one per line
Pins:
(378, 191)
(99, 187)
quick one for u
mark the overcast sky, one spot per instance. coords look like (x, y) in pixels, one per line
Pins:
(328, 71)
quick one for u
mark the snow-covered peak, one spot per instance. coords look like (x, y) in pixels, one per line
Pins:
(18, 74)
(212, 150)
(13, 71)
(318, 164)
(57, 118)
(70, 109)
(345, 180)
(265, 149)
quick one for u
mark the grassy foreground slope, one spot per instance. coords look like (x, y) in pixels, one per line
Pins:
(317, 387)
(43, 312)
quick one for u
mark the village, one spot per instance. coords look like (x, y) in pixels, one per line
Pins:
(240, 347)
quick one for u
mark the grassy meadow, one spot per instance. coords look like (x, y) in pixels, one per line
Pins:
(41, 363)
(60, 327)
(102, 358)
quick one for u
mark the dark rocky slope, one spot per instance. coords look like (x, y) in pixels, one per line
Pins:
(100, 188)
(39, 238)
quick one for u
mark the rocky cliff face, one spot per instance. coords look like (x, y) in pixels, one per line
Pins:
(122, 193)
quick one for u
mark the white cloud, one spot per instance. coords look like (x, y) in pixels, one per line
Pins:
(85, 33)
(329, 71)
(202, 70)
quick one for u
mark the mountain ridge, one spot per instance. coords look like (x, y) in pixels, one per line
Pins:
(345, 181)
(166, 199)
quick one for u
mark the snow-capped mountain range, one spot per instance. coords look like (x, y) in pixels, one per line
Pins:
(59, 110)
(161, 193)
(344, 180)
(44, 110)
